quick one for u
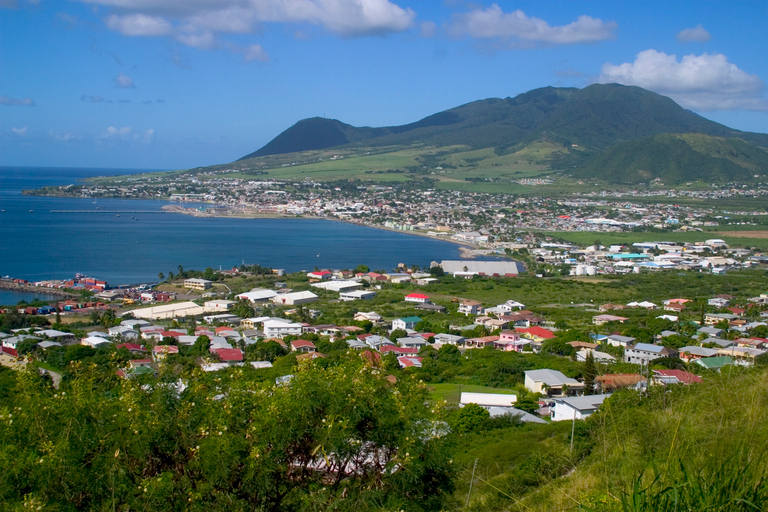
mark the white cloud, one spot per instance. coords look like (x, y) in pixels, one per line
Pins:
(255, 52)
(17, 102)
(196, 22)
(517, 27)
(124, 82)
(139, 25)
(698, 34)
(20, 131)
(700, 82)
(117, 133)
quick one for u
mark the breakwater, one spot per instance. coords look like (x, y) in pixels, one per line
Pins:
(29, 288)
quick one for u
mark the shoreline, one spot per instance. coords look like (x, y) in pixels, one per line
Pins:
(464, 247)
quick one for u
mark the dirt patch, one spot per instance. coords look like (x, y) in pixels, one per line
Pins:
(745, 234)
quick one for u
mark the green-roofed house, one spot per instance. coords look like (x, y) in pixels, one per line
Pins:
(406, 323)
(714, 363)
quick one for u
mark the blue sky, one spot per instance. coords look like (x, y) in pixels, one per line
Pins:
(169, 84)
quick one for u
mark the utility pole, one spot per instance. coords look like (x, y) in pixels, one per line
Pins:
(471, 481)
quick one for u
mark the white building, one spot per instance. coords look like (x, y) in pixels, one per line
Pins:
(357, 295)
(258, 295)
(278, 328)
(294, 298)
(197, 284)
(576, 407)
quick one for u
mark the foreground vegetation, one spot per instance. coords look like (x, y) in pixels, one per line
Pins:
(343, 436)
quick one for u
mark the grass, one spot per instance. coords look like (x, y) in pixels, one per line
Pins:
(451, 392)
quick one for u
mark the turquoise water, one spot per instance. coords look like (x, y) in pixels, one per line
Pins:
(132, 248)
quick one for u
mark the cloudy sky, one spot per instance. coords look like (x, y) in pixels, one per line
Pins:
(168, 84)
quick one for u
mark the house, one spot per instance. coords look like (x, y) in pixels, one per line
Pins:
(617, 340)
(551, 383)
(160, 352)
(198, 284)
(294, 298)
(258, 295)
(124, 332)
(576, 408)
(418, 298)
(719, 302)
(536, 333)
(409, 362)
(320, 274)
(523, 319)
(710, 331)
(376, 342)
(399, 351)
(412, 342)
(743, 356)
(604, 319)
(340, 286)
(611, 382)
(717, 342)
(510, 341)
(231, 356)
(357, 295)
(470, 307)
(599, 357)
(370, 316)
(431, 307)
(692, 352)
(716, 318)
(303, 346)
(675, 377)
(491, 323)
(278, 328)
(644, 353)
(449, 339)
(407, 323)
(217, 306)
(714, 363)
(482, 342)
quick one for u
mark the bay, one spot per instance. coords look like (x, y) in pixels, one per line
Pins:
(134, 247)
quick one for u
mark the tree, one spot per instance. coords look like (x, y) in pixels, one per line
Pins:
(161, 277)
(436, 271)
(469, 418)
(589, 372)
(202, 345)
(397, 333)
(556, 346)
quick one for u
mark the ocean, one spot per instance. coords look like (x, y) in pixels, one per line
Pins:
(133, 248)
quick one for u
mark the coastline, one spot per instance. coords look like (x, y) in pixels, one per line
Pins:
(464, 247)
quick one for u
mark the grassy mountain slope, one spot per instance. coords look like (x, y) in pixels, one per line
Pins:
(677, 158)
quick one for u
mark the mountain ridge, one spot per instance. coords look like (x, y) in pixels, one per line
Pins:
(594, 119)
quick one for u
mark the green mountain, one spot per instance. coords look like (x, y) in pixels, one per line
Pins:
(581, 124)
(677, 158)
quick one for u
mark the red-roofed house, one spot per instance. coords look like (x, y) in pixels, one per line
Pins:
(675, 377)
(405, 351)
(303, 346)
(320, 274)
(536, 333)
(409, 362)
(230, 355)
(160, 351)
(132, 347)
(418, 298)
